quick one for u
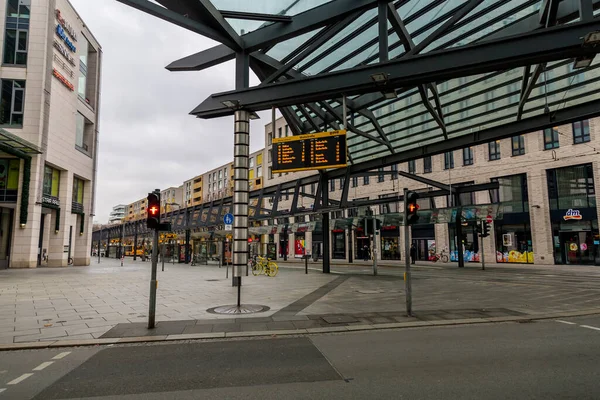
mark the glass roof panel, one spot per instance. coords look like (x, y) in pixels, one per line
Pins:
(283, 49)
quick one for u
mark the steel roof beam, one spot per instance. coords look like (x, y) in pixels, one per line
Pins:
(550, 44)
(528, 87)
(180, 20)
(249, 16)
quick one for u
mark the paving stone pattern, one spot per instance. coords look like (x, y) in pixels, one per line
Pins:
(106, 299)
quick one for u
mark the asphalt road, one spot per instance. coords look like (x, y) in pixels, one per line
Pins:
(538, 360)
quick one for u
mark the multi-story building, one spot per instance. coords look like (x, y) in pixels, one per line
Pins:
(217, 182)
(49, 103)
(171, 198)
(192, 191)
(546, 209)
(117, 214)
(137, 210)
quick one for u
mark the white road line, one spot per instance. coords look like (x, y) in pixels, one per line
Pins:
(19, 379)
(2, 390)
(43, 365)
(61, 355)
(565, 322)
(590, 327)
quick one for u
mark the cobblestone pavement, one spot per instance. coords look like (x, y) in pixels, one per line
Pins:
(106, 300)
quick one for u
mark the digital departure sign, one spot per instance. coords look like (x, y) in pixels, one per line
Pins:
(307, 152)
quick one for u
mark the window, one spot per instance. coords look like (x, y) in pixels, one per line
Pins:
(518, 145)
(449, 160)
(354, 181)
(571, 187)
(412, 167)
(581, 131)
(279, 132)
(250, 165)
(83, 61)
(84, 134)
(332, 185)
(51, 181)
(427, 164)
(551, 138)
(287, 130)
(365, 180)
(494, 150)
(380, 176)
(259, 171)
(251, 174)
(259, 159)
(269, 138)
(394, 169)
(16, 33)
(220, 185)
(468, 156)
(270, 173)
(512, 192)
(12, 102)
(342, 180)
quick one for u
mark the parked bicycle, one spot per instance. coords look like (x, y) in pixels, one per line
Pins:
(443, 256)
(261, 265)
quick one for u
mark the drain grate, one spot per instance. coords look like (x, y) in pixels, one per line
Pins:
(234, 309)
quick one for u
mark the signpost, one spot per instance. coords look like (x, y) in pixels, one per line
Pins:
(228, 221)
(309, 152)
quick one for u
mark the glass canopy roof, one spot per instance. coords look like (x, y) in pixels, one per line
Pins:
(385, 123)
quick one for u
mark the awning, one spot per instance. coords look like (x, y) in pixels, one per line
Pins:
(16, 143)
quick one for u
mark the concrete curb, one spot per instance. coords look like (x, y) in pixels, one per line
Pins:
(309, 331)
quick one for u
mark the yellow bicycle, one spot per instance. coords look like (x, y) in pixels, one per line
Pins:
(260, 265)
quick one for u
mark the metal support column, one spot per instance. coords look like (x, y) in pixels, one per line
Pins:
(135, 239)
(187, 244)
(458, 228)
(325, 225)
(407, 276)
(100, 245)
(240, 196)
(153, 281)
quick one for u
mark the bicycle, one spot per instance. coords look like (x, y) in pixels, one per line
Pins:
(441, 256)
(260, 265)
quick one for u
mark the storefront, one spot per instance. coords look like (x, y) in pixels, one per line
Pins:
(390, 240)
(338, 238)
(423, 238)
(513, 239)
(299, 244)
(469, 242)
(362, 245)
(573, 215)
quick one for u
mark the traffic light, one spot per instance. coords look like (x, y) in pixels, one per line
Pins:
(411, 207)
(153, 220)
(486, 229)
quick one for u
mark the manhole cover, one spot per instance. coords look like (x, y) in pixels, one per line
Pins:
(341, 319)
(370, 291)
(234, 309)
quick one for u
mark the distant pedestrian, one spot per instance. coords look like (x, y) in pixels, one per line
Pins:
(413, 253)
(366, 252)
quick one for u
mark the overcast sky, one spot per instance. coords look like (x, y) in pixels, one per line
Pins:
(144, 117)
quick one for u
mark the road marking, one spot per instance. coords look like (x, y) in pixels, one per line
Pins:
(565, 322)
(19, 379)
(590, 327)
(43, 365)
(61, 355)
(2, 390)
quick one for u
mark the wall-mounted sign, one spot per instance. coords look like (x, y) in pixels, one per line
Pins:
(66, 26)
(61, 49)
(61, 34)
(572, 214)
(50, 200)
(63, 80)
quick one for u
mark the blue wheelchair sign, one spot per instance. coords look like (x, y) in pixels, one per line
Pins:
(228, 219)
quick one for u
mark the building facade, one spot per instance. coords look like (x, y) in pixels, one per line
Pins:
(117, 214)
(50, 97)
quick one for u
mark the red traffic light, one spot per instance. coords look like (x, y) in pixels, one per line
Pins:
(153, 219)
(153, 211)
(412, 207)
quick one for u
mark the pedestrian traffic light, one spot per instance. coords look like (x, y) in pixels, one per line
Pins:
(153, 209)
(486, 229)
(411, 207)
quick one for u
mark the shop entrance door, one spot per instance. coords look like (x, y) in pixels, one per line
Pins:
(577, 247)
(6, 221)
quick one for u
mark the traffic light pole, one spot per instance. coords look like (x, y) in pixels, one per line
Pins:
(153, 282)
(374, 246)
(482, 251)
(407, 276)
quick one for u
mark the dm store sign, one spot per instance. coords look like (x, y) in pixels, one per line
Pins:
(572, 214)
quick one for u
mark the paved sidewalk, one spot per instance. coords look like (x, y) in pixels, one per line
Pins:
(106, 300)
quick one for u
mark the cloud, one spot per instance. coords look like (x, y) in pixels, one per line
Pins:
(148, 139)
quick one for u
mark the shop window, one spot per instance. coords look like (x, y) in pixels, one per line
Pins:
(427, 164)
(581, 131)
(12, 103)
(571, 187)
(518, 145)
(365, 180)
(467, 156)
(551, 138)
(412, 167)
(494, 150)
(51, 181)
(16, 33)
(449, 160)
(84, 135)
(466, 199)
(513, 243)
(380, 176)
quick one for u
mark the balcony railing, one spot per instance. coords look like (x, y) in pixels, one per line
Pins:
(76, 208)
(8, 195)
